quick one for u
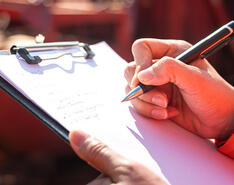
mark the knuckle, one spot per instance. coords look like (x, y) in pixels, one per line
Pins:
(167, 63)
(184, 43)
(94, 149)
(127, 167)
(129, 71)
(172, 68)
(137, 43)
(178, 47)
(165, 69)
(126, 72)
(142, 53)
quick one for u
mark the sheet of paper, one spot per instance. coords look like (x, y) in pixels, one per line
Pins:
(86, 94)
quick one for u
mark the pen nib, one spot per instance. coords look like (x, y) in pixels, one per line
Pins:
(133, 94)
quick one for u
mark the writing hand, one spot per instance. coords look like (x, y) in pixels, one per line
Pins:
(194, 96)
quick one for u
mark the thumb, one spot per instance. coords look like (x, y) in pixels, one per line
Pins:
(186, 77)
(97, 154)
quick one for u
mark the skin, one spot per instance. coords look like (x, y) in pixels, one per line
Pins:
(116, 169)
(193, 96)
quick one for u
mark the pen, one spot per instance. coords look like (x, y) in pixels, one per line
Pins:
(201, 49)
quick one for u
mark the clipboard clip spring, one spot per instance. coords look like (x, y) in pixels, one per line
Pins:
(23, 51)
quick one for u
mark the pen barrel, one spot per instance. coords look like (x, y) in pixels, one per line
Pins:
(207, 44)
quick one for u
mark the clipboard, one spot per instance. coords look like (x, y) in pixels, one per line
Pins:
(24, 52)
(130, 134)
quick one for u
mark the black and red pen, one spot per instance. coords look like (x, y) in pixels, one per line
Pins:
(201, 49)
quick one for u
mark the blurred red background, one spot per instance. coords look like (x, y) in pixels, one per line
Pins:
(119, 23)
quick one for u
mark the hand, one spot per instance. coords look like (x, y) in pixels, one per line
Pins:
(194, 96)
(115, 168)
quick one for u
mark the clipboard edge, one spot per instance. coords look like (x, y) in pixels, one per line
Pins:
(46, 119)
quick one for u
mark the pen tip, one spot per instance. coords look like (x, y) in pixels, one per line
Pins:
(125, 99)
(133, 94)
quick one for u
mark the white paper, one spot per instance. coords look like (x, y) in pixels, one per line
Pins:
(86, 94)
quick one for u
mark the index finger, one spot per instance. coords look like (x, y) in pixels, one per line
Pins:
(145, 50)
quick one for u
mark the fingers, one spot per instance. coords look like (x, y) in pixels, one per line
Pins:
(154, 104)
(153, 111)
(145, 50)
(96, 153)
(186, 77)
(143, 58)
(131, 72)
(155, 96)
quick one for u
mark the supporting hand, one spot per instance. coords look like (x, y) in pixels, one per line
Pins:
(116, 169)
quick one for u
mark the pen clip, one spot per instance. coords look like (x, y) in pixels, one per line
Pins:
(218, 44)
(24, 51)
(27, 57)
(216, 47)
(89, 53)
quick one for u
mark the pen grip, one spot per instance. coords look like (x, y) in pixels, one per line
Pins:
(202, 49)
(146, 88)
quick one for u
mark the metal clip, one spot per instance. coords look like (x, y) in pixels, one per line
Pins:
(24, 51)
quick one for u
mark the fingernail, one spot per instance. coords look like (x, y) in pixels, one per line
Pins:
(146, 75)
(159, 114)
(158, 100)
(77, 138)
